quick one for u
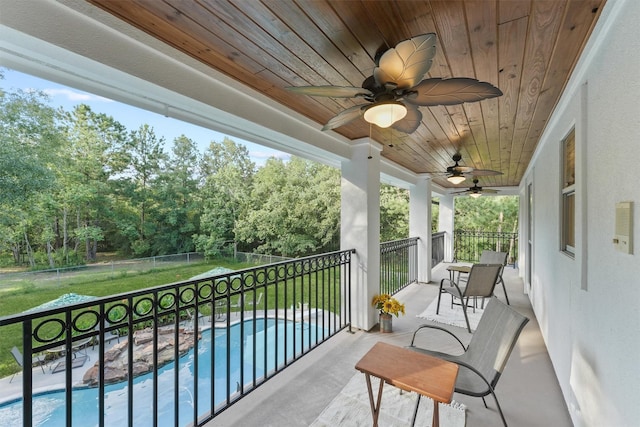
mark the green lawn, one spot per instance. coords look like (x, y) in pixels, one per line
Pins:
(317, 291)
(27, 295)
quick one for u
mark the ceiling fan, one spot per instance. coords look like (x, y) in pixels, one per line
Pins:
(476, 190)
(456, 174)
(396, 89)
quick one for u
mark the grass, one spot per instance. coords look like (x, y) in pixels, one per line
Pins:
(26, 295)
(316, 290)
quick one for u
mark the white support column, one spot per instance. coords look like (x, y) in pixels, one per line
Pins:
(360, 228)
(445, 220)
(420, 225)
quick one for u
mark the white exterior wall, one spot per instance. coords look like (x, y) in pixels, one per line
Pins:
(588, 307)
(420, 225)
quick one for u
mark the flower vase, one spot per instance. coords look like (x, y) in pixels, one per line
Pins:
(386, 324)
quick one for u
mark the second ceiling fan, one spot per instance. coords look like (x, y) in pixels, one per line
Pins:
(456, 173)
(476, 190)
(396, 89)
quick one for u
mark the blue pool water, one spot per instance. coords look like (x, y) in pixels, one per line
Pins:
(49, 408)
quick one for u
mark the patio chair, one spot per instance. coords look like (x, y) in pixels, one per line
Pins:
(493, 257)
(191, 314)
(480, 283)
(485, 357)
(220, 310)
(108, 335)
(250, 301)
(39, 359)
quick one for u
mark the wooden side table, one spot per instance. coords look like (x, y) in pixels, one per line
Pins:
(458, 268)
(411, 371)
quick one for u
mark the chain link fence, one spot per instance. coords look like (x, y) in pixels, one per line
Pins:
(121, 268)
(98, 271)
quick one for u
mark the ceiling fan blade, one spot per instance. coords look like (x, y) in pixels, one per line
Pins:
(406, 64)
(331, 91)
(431, 92)
(484, 172)
(489, 190)
(344, 117)
(410, 122)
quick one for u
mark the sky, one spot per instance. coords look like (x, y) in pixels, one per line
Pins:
(131, 117)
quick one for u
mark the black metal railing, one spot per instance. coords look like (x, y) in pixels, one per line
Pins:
(228, 334)
(437, 248)
(398, 264)
(468, 245)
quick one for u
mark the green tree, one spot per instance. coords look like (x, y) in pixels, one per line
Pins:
(295, 208)
(146, 158)
(394, 213)
(29, 143)
(496, 213)
(487, 214)
(93, 155)
(227, 173)
(179, 201)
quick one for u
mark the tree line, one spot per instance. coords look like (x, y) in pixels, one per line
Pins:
(77, 182)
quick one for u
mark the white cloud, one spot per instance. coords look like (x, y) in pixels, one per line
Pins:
(75, 96)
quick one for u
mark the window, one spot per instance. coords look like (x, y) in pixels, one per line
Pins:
(568, 224)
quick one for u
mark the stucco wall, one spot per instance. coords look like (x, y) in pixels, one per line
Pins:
(588, 307)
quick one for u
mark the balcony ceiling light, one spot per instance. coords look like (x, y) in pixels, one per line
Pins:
(385, 114)
(456, 179)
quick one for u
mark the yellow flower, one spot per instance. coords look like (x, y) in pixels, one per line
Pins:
(387, 305)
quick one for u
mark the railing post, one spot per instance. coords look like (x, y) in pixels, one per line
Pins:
(27, 372)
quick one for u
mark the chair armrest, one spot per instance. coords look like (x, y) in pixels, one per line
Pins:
(437, 328)
(454, 284)
(451, 282)
(475, 371)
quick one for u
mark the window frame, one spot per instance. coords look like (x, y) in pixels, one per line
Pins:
(568, 194)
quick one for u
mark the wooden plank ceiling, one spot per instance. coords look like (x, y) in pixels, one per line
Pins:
(527, 48)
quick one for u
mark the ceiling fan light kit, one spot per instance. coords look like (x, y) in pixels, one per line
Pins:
(475, 195)
(385, 114)
(456, 179)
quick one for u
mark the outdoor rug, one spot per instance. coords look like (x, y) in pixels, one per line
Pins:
(452, 316)
(351, 408)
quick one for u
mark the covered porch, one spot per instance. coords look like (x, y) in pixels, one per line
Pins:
(528, 390)
(578, 298)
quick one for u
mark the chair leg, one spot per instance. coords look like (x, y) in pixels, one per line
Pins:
(415, 411)
(504, 288)
(504, 421)
(464, 310)
(439, 295)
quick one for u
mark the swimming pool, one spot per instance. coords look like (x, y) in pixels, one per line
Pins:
(49, 408)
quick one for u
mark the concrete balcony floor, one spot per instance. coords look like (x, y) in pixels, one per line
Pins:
(528, 389)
